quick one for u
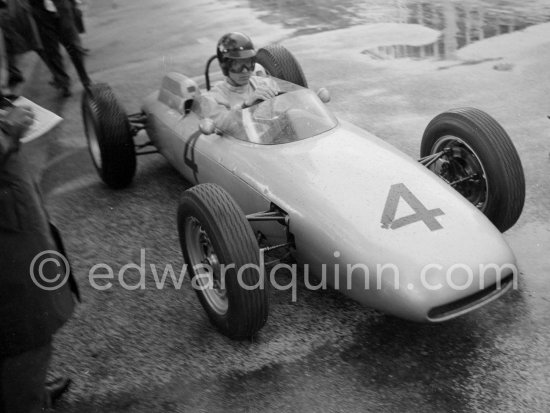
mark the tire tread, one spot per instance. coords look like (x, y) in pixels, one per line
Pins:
(280, 63)
(232, 224)
(113, 134)
(494, 139)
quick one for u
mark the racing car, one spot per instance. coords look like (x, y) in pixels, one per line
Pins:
(420, 239)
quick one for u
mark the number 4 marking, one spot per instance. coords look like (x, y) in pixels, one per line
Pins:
(421, 213)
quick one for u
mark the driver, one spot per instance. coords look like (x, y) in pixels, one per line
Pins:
(240, 89)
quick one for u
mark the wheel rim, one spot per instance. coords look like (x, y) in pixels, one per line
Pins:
(93, 142)
(461, 167)
(204, 262)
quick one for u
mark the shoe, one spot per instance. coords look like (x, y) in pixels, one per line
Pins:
(15, 78)
(65, 88)
(65, 91)
(55, 389)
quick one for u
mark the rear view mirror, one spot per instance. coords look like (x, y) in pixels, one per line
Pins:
(207, 126)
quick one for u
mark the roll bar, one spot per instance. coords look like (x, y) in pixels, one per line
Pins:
(207, 70)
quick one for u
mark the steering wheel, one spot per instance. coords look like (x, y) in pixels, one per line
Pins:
(257, 101)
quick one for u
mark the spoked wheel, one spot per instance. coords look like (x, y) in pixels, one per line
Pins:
(109, 137)
(474, 154)
(222, 255)
(280, 63)
(462, 169)
(204, 259)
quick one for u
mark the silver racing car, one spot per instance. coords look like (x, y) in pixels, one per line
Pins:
(419, 239)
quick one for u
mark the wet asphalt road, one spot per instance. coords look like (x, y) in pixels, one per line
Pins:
(154, 350)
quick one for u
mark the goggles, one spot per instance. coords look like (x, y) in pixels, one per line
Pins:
(238, 65)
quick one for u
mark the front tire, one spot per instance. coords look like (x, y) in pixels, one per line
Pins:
(280, 63)
(109, 136)
(216, 238)
(480, 160)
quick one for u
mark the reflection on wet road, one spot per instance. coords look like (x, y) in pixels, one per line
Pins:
(460, 22)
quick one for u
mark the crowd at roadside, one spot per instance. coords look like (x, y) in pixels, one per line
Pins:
(42, 26)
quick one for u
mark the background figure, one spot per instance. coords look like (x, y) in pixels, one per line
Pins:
(29, 314)
(20, 35)
(3, 65)
(56, 25)
(79, 22)
(78, 16)
(11, 75)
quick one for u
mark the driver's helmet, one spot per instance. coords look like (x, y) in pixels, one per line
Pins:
(234, 46)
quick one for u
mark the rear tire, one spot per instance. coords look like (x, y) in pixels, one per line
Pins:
(214, 234)
(280, 63)
(477, 143)
(109, 136)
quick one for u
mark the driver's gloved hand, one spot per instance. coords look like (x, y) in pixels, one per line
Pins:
(262, 92)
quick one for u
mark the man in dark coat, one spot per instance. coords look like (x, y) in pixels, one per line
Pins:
(56, 25)
(35, 300)
(20, 34)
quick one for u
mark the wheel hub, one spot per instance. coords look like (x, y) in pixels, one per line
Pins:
(205, 265)
(461, 168)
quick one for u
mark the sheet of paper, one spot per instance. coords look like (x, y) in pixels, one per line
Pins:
(44, 120)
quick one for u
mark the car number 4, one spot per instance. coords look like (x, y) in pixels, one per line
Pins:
(421, 213)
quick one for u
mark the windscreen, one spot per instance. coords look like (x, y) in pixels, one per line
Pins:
(295, 114)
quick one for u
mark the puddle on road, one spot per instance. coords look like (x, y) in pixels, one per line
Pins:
(460, 22)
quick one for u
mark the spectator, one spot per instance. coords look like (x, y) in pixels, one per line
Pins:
(29, 314)
(79, 22)
(56, 25)
(20, 35)
(78, 16)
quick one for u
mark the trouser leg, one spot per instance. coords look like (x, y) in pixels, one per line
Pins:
(77, 57)
(22, 381)
(70, 40)
(15, 75)
(51, 52)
